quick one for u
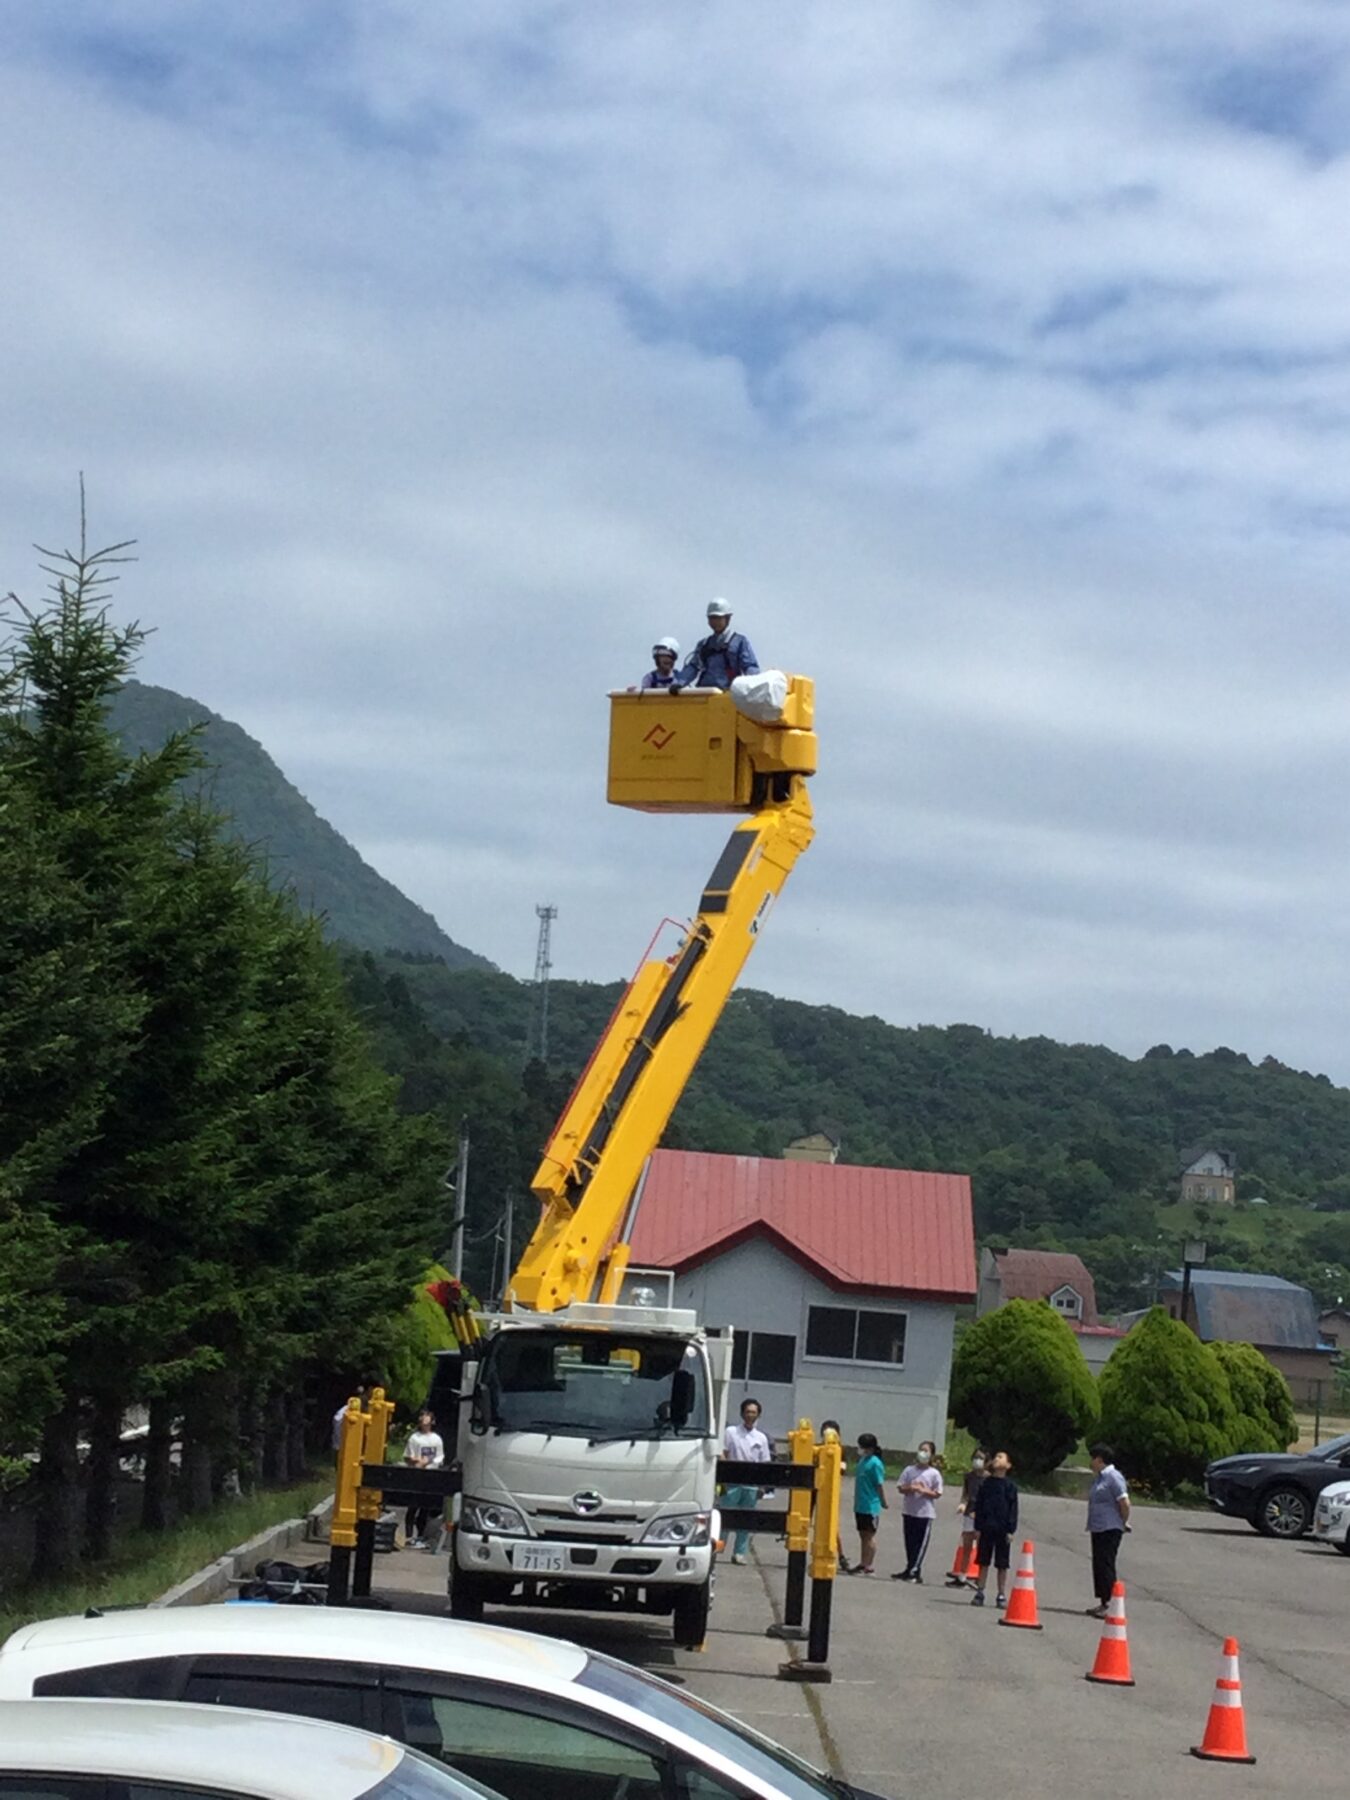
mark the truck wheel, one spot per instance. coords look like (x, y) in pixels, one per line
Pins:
(1283, 1512)
(689, 1626)
(1344, 1546)
(467, 1594)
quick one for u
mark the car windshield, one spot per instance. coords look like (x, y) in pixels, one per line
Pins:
(596, 1384)
(420, 1777)
(748, 1750)
(1333, 1448)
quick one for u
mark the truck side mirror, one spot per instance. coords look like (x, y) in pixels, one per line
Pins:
(681, 1398)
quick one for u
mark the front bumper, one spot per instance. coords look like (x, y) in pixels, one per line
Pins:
(603, 1561)
(1331, 1525)
(1226, 1497)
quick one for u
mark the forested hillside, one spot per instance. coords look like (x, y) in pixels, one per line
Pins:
(1070, 1146)
(299, 850)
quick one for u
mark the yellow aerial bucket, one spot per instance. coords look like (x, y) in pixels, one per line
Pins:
(692, 752)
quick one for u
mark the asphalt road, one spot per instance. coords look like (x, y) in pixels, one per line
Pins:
(928, 1689)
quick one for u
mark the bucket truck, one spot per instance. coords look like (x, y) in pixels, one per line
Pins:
(591, 1422)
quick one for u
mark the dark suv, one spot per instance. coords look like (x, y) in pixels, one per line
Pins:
(1277, 1494)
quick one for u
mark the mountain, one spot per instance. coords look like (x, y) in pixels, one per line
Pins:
(300, 849)
(1069, 1146)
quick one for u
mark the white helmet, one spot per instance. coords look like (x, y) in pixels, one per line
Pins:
(669, 645)
(719, 609)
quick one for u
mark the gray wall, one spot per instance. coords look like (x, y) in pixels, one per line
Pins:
(756, 1287)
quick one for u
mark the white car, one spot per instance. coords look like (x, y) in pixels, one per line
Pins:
(142, 1750)
(1331, 1516)
(535, 1718)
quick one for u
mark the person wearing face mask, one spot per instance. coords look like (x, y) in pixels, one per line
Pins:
(970, 1486)
(920, 1489)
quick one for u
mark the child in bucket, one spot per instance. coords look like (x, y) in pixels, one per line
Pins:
(995, 1523)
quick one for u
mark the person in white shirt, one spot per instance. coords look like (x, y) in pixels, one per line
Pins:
(745, 1443)
(425, 1449)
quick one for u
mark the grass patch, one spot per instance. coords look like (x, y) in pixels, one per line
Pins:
(145, 1564)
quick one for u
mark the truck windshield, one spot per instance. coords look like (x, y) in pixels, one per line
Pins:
(596, 1384)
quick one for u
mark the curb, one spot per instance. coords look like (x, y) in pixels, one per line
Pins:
(215, 1580)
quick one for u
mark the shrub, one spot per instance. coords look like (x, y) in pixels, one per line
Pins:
(1166, 1403)
(1262, 1405)
(418, 1334)
(1019, 1383)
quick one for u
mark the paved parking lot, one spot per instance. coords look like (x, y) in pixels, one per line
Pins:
(929, 1690)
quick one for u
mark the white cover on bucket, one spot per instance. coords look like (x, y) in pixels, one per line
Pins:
(761, 697)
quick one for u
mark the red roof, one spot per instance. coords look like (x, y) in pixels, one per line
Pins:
(1036, 1274)
(899, 1231)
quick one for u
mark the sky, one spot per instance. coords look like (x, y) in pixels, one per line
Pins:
(993, 359)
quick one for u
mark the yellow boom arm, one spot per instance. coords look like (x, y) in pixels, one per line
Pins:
(691, 753)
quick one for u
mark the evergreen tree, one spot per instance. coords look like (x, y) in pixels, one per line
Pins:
(1019, 1383)
(1262, 1404)
(1167, 1406)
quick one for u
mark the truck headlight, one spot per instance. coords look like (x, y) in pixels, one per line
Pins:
(686, 1529)
(492, 1516)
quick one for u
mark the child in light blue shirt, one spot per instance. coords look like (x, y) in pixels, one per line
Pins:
(869, 1497)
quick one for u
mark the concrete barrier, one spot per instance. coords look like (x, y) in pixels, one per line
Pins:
(216, 1580)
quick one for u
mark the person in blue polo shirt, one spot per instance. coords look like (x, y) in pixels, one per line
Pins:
(1108, 1518)
(719, 658)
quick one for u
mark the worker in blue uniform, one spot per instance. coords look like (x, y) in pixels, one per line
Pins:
(720, 657)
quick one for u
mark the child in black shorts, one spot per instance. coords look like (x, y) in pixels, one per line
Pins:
(995, 1522)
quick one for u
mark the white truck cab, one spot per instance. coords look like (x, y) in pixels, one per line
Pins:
(589, 1444)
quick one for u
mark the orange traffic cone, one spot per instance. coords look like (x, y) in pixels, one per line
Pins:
(1226, 1729)
(965, 1565)
(1022, 1601)
(1113, 1652)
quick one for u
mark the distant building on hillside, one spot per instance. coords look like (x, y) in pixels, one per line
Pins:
(1334, 1325)
(1208, 1174)
(840, 1283)
(1062, 1280)
(1279, 1317)
(816, 1147)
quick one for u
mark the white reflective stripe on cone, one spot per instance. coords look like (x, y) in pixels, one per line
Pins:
(1227, 1697)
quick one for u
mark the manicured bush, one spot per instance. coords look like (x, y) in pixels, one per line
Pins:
(1166, 1403)
(1261, 1399)
(1019, 1383)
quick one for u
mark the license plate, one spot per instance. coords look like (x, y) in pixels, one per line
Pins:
(539, 1559)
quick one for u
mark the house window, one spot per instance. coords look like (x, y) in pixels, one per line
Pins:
(1068, 1301)
(765, 1356)
(853, 1334)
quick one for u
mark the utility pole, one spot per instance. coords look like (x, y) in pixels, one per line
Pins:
(459, 1187)
(536, 1042)
(507, 1252)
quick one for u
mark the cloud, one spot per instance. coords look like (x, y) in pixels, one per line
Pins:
(992, 359)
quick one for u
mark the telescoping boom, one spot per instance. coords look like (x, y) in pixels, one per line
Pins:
(693, 752)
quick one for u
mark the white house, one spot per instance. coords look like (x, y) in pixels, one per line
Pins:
(1208, 1173)
(841, 1283)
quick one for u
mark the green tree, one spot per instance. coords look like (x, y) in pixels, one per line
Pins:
(209, 1199)
(1019, 1383)
(1262, 1404)
(421, 1330)
(1166, 1404)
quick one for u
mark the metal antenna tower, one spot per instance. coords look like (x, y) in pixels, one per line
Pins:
(536, 1044)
